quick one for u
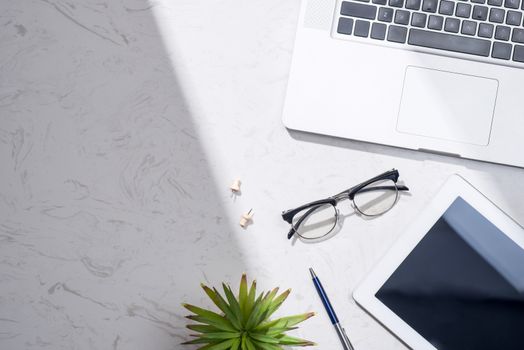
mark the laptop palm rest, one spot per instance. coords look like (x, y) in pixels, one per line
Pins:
(448, 106)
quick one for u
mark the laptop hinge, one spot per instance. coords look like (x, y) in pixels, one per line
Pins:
(440, 153)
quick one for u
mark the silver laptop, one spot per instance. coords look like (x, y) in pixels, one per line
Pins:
(442, 76)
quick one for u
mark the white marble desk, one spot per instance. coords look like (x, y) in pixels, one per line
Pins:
(122, 124)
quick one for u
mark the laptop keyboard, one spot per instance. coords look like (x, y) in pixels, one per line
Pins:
(486, 28)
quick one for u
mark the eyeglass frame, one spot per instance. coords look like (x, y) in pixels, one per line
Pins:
(350, 193)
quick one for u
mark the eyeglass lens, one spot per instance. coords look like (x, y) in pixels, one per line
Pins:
(376, 198)
(315, 222)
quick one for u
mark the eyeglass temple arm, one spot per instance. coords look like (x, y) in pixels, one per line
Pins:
(392, 174)
(398, 187)
(351, 194)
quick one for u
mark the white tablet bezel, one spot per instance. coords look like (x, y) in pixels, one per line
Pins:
(456, 186)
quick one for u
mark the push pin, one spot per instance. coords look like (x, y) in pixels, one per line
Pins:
(235, 189)
(246, 219)
(235, 186)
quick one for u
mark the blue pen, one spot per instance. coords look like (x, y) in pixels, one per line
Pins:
(331, 313)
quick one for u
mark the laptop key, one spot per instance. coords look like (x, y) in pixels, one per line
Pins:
(449, 42)
(361, 28)
(413, 4)
(514, 18)
(495, 2)
(378, 31)
(354, 9)
(496, 15)
(401, 17)
(463, 10)
(396, 3)
(501, 51)
(480, 12)
(452, 25)
(385, 14)
(502, 33)
(418, 20)
(518, 35)
(512, 4)
(380, 2)
(469, 27)
(429, 6)
(397, 34)
(345, 26)
(479, 1)
(446, 7)
(518, 53)
(435, 22)
(486, 30)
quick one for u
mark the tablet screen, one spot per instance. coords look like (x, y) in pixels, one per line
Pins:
(462, 286)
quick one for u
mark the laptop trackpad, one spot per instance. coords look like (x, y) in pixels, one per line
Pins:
(449, 106)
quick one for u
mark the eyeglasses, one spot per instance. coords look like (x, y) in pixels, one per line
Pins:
(371, 198)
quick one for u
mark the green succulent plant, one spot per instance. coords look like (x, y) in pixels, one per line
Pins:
(244, 322)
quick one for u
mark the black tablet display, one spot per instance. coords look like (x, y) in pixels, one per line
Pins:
(462, 287)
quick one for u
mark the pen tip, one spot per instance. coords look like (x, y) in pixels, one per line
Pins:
(313, 275)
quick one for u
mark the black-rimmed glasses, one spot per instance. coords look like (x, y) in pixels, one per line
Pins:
(370, 198)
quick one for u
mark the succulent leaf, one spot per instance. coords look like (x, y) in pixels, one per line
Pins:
(251, 298)
(216, 298)
(233, 302)
(266, 346)
(249, 344)
(236, 344)
(202, 312)
(276, 331)
(287, 340)
(225, 345)
(219, 301)
(255, 312)
(220, 335)
(278, 301)
(223, 325)
(242, 296)
(200, 341)
(243, 343)
(202, 328)
(264, 338)
(288, 321)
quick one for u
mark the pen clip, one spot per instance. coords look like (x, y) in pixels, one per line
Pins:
(346, 338)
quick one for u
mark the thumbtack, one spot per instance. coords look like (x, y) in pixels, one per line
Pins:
(235, 186)
(245, 219)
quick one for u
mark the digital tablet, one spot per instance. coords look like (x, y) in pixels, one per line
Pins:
(455, 279)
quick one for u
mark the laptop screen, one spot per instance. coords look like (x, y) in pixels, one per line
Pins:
(462, 286)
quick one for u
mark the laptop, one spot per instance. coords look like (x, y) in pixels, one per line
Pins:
(440, 76)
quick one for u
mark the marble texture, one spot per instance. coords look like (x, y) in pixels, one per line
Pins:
(122, 124)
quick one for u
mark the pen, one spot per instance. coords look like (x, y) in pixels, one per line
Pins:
(331, 313)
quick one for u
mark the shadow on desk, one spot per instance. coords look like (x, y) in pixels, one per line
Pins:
(387, 150)
(109, 213)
